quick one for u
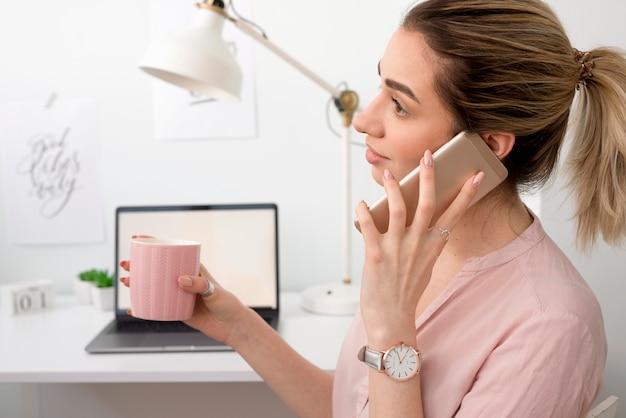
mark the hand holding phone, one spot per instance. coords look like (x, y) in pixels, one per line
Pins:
(457, 160)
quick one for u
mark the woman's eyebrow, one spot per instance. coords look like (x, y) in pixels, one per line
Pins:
(403, 88)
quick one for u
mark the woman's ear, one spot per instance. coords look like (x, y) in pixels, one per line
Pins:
(501, 143)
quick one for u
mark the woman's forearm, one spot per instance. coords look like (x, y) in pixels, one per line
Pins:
(304, 387)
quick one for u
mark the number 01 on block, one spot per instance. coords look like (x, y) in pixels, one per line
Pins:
(22, 297)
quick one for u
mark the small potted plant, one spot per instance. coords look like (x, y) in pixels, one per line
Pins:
(102, 293)
(96, 286)
(82, 286)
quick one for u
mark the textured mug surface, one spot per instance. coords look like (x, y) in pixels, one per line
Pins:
(155, 265)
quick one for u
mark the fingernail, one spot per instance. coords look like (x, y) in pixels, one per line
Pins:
(388, 175)
(428, 158)
(185, 281)
(478, 178)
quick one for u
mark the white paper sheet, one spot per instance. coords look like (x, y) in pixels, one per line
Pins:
(50, 172)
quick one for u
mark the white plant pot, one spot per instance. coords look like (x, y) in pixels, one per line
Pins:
(103, 297)
(82, 290)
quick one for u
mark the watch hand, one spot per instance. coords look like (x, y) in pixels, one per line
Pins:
(403, 357)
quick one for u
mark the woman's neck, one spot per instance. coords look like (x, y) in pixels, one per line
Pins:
(488, 226)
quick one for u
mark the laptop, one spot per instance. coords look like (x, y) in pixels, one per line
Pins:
(239, 246)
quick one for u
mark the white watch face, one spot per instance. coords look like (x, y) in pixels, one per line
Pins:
(401, 362)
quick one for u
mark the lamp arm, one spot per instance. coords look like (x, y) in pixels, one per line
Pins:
(252, 32)
(346, 102)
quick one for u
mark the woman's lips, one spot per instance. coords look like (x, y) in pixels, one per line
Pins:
(373, 157)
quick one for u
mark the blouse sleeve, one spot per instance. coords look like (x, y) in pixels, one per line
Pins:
(549, 366)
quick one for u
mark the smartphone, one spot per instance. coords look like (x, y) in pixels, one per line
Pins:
(457, 160)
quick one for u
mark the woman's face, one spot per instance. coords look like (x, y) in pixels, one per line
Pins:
(407, 117)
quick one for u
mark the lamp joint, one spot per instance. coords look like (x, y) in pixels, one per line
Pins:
(347, 103)
(217, 6)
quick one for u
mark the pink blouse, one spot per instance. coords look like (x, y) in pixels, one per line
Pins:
(516, 333)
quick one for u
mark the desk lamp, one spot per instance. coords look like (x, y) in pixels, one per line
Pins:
(197, 59)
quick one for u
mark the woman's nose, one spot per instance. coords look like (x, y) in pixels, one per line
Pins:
(367, 123)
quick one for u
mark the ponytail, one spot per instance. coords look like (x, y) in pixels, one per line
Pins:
(596, 164)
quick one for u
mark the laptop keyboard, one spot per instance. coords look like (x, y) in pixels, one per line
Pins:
(159, 326)
(153, 326)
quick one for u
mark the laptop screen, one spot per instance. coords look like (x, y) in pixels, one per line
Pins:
(239, 245)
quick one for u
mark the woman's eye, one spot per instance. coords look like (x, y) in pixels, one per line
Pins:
(399, 109)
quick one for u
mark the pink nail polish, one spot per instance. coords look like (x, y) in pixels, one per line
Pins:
(428, 158)
(478, 178)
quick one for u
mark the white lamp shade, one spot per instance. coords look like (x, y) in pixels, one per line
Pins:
(197, 59)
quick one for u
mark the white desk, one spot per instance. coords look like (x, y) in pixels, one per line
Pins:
(48, 347)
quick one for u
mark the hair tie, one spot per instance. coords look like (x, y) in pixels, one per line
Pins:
(585, 59)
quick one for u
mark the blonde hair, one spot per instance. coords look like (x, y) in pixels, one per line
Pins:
(508, 65)
(597, 159)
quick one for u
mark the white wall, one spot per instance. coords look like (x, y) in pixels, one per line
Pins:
(90, 50)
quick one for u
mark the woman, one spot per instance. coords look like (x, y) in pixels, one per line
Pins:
(503, 323)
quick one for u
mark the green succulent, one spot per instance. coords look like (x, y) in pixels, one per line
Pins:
(100, 278)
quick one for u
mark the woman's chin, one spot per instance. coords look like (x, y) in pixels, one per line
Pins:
(377, 175)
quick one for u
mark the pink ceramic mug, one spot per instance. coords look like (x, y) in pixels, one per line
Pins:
(155, 266)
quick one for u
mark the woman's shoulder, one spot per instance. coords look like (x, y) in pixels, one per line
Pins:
(538, 275)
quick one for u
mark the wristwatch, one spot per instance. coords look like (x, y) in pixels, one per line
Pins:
(401, 362)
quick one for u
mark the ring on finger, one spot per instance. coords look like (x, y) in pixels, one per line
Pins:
(210, 289)
(443, 231)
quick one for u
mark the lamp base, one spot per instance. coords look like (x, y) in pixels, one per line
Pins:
(331, 299)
